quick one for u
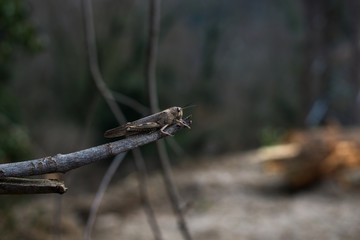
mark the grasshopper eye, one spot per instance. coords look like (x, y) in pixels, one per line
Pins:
(179, 113)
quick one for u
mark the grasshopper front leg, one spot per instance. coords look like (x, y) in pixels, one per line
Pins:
(182, 122)
(166, 133)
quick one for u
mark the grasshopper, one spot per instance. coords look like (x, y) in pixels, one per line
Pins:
(154, 122)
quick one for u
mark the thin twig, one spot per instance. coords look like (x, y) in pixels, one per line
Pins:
(150, 75)
(171, 190)
(150, 66)
(97, 77)
(145, 199)
(100, 193)
(66, 162)
(144, 195)
(93, 61)
(125, 100)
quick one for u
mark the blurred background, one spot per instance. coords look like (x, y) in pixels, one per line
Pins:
(256, 70)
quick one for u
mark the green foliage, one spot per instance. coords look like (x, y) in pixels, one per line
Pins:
(14, 141)
(270, 136)
(16, 33)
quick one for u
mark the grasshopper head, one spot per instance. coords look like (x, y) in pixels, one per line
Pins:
(177, 112)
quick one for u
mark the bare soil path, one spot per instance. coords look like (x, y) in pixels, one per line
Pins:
(226, 198)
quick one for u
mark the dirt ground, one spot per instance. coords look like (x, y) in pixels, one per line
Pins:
(227, 198)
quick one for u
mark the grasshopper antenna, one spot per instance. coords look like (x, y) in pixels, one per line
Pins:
(189, 106)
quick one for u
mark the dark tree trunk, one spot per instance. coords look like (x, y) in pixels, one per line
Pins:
(320, 23)
(354, 8)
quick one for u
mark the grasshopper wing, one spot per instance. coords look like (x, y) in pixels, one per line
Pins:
(116, 132)
(132, 129)
(144, 127)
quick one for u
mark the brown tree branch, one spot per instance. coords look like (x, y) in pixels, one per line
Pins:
(135, 105)
(66, 162)
(11, 185)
